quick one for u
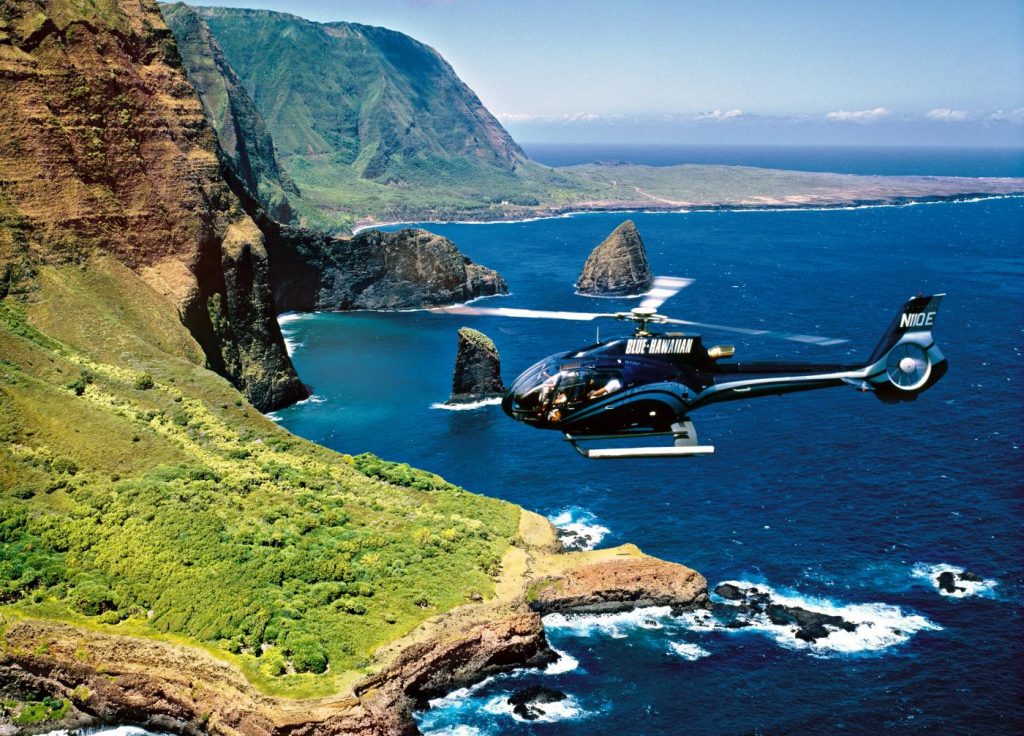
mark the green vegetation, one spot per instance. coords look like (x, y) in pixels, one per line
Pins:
(374, 126)
(31, 712)
(240, 129)
(478, 338)
(138, 494)
(370, 121)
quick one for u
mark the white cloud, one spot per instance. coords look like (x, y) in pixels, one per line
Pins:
(1012, 116)
(858, 116)
(948, 116)
(567, 117)
(719, 115)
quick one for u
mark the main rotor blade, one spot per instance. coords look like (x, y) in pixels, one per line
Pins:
(795, 337)
(521, 313)
(663, 288)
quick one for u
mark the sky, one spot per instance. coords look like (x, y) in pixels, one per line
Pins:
(903, 72)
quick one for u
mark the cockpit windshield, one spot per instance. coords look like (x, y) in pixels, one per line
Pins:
(546, 394)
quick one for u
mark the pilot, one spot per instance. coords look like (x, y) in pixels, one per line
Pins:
(561, 399)
(613, 384)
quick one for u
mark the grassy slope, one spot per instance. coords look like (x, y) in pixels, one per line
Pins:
(177, 510)
(368, 120)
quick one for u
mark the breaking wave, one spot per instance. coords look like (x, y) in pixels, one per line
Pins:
(578, 529)
(615, 625)
(688, 651)
(961, 588)
(870, 627)
(467, 406)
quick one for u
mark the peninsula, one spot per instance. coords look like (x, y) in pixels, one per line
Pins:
(380, 129)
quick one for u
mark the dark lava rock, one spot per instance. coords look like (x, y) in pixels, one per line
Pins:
(407, 269)
(810, 625)
(477, 368)
(524, 702)
(729, 591)
(618, 266)
(947, 581)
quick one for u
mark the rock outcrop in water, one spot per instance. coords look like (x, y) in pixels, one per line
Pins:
(750, 602)
(618, 266)
(948, 580)
(477, 369)
(407, 269)
(528, 703)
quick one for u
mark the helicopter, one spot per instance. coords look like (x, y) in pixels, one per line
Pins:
(644, 386)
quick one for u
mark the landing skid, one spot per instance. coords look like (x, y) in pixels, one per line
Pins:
(684, 444)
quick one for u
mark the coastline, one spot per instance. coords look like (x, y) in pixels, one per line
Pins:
(535, 214)
(113, 679)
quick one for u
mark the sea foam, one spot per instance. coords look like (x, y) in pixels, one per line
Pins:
(549, 712)
(468, 405)
(966, 588)
(688, 651)
(878, 626)
(578, 528)
(615, 625)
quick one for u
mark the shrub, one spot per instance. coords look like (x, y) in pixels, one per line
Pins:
(92, 598)
(306, 654)
(144, 382)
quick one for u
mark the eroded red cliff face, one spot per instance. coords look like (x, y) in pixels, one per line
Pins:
(104, 150)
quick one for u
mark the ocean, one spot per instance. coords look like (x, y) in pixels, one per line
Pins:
(829, 500)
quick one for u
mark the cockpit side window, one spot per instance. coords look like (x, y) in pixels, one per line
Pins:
(571, 389)
(603, 382)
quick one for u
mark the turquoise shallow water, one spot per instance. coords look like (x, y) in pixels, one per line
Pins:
(832, 499)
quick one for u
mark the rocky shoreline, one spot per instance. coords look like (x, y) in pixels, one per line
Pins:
(182, 689)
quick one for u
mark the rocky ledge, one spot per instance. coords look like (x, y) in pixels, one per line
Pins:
(477, 369)
(618, 266)
(407, 269)
(118, 679)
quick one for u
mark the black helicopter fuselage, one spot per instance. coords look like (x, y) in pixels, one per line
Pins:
(647, 383)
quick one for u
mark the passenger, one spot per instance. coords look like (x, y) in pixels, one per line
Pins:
(613, 384)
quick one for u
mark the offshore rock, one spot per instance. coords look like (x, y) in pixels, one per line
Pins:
(751, 602)
(477, 368)
(618, 266)
(528, 703)
(408, 269)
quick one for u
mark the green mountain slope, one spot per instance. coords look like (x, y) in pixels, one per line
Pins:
(140, 493)
(241, 132)
(370, 121)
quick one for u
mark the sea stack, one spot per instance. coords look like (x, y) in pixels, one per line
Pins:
(477, 369)
(618, 266)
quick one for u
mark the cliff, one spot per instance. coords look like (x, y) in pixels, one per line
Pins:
(477, 373)
(104, 152)
(119, 678)
(407, 269)
(241, 131)
(370, 121)
(618, 266)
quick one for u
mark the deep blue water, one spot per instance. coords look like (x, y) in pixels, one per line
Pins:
(832, 498)
(924, 160)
